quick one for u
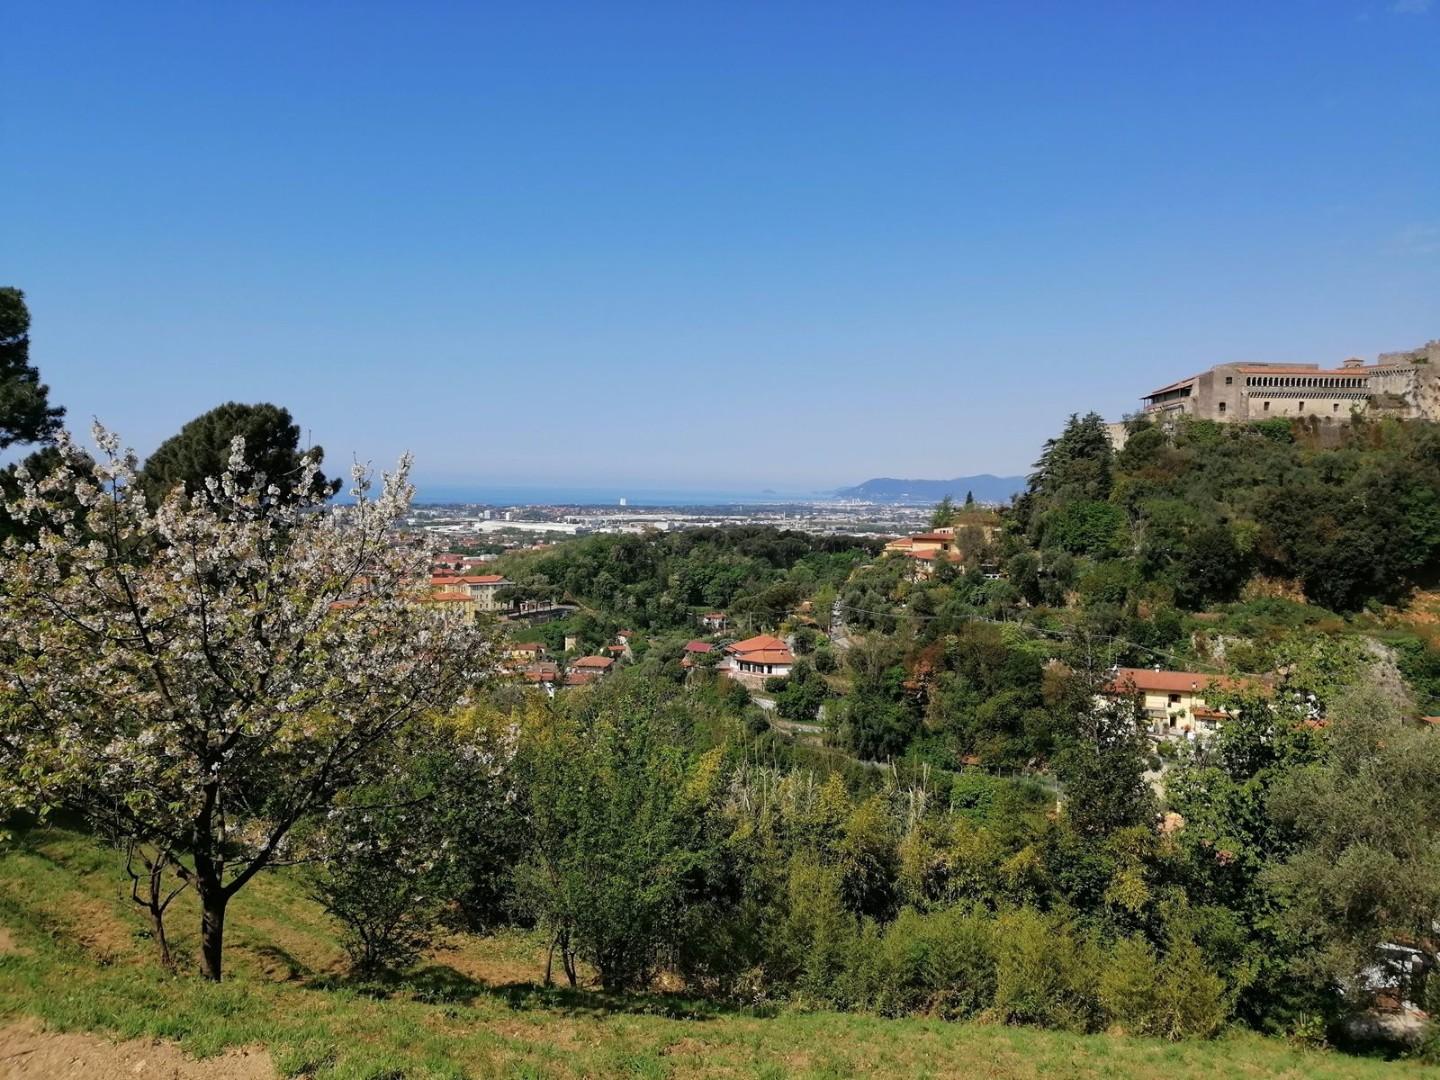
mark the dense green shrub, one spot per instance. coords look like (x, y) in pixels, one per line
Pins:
(1045, 972)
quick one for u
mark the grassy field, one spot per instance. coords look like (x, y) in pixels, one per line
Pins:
(73, 955)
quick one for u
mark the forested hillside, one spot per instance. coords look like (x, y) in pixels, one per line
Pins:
(1192, 514)
(663, 580)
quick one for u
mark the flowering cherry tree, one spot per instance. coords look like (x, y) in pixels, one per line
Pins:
(203, 675)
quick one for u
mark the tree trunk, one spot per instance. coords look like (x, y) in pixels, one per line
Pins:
(212, 931)
(567, 958)
(157, 921)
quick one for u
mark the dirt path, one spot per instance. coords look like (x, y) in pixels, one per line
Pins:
(27, 1052)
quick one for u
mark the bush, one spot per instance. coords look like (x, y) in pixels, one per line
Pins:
(1172, 998)
(1044, 972)
(941, 963)
(1130, 986)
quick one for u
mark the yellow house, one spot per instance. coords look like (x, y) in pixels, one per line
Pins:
(1174, 701)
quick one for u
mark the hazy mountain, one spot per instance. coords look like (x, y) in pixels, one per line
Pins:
(985, 488)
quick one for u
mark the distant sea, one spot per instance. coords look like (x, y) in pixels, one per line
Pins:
(607, 496)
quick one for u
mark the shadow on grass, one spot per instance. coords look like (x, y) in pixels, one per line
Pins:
(281, 961)
(439, 984)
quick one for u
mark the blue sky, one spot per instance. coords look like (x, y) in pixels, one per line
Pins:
(723, 245)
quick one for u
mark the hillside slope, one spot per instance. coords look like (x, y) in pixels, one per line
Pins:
(75, 959)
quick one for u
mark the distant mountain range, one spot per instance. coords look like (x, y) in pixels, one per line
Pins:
(985, 488)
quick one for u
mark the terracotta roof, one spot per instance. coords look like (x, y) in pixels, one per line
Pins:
(1179, 384)
(698, 646)
(935, 535)
(451, 597)
(601, 663)
(580, 678)
(1171, 682)
(768, 656)
(928, 556)
(759, 641)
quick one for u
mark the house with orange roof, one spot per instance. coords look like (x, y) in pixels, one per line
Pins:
(543, 676)
(974, 528)
(756, 659)
(597, 667)
(1175, 701)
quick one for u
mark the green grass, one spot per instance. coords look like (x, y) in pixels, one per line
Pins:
(82, 962)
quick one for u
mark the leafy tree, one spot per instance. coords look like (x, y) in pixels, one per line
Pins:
(611, 856)
(201, 450)
(800, 695)
(1086, 527)
(393, 855)
(1365, 867)
(944, 513)
(1077, 464)
(202, 677)
(1103, 771)
(26, 415)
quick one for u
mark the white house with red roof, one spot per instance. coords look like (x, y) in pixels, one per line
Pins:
(756, 659)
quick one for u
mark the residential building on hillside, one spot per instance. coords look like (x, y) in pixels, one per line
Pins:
(595, 667)
(694, 649)
(973, 530)
(752, 661)
(482, 588)
(454, 604)
(525, 651)
(1175, 701)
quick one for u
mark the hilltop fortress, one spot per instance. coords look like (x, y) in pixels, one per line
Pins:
(1400, 384)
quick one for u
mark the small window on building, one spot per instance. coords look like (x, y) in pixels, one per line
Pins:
(1300, 407)
(1336, 406)
(1265, 407)
(1174, 699)
(1222, 406)
(1228, 380)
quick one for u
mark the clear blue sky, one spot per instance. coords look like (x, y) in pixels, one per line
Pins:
(730, 244)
